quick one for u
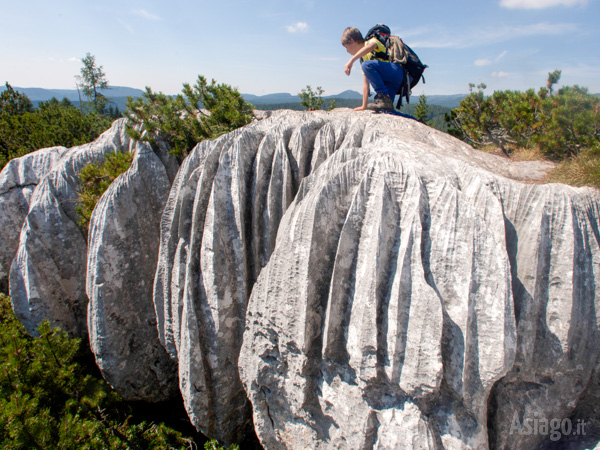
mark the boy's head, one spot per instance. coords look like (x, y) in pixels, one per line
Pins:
(353, 40)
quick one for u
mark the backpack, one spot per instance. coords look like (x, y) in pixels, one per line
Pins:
(397, 51)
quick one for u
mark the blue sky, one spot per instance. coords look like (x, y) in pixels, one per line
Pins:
(269, 46)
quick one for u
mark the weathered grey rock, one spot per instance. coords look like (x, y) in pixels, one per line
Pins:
(123, 249)
(18, 179)
(339, 280)
(554, 250)
(385, 315)
(47, 278)
(218, 228)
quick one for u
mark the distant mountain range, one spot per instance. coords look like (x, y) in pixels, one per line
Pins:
(119, 94)
(43, 95)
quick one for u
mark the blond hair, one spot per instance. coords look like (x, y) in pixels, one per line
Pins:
(351, 34)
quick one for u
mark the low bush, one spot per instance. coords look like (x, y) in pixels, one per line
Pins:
(94, 180)
(24, 129)
(204, 111)
(563, 127)
(49, 400)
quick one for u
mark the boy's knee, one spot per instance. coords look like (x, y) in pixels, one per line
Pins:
(369, 65)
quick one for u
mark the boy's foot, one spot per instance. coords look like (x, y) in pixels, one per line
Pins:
(381, 103)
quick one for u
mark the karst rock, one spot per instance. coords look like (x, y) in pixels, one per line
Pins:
(330, 280)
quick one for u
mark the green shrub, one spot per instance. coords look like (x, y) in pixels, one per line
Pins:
(214, 445)
(312, 101)
(24, 129)
(561, 125)
(570, 124)
(204, 111)
(47, 400)
(94, 180)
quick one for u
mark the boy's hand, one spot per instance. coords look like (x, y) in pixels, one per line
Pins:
(348, 67)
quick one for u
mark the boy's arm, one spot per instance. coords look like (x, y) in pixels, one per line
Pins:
(365, 95)
(359, 54)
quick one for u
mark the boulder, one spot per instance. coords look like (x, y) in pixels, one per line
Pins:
(122, 253)
(218, 230)
(417, 297)
(18, 179)
(47, 277)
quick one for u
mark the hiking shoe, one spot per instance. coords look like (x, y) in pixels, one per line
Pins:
(381, 103)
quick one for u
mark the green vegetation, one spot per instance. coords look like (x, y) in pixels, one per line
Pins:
(204, 111)
(562, 126)
(214, 445)
(432, 115)
(49, 400)
(310, 100)
(422, 109)
(435, 113)
(24, 129)
(91, 81)
(95, 179)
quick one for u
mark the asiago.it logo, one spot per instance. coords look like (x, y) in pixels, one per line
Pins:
(553, 428)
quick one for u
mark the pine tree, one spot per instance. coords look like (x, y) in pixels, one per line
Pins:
(422, 109)
(91, 81)
(14, 103)
(47, 400)
(312, 101)
(204, 111)
(553, 78)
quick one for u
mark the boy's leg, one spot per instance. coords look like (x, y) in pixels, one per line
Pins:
(384, 77)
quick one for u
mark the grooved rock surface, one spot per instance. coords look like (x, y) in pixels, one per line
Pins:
(358, 334)
(122, 254)
(47, 277)
(332, 279)
(554, 241)
(18, 179)
(413, 298)
(218, 230)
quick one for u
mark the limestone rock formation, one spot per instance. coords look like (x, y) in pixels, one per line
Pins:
(218, 230)
(386, 313)
(18, 179)
(553, 244)
(333, 279)
(122, 254)
(413, 298)
(47, 278)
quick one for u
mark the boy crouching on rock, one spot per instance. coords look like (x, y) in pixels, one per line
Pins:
(385, 77)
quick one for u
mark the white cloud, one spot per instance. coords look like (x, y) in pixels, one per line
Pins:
(297, 27)
(540, 4)
(405, 33)
(500, 74)
(145, 14)
(501, 55)
(486, 61)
